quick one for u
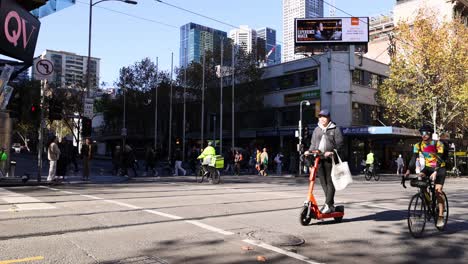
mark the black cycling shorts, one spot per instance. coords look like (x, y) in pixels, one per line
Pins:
(441, 172)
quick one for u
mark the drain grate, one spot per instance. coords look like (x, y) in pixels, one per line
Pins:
(142, 260)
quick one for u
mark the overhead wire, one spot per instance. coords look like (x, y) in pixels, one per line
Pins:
(131, 15)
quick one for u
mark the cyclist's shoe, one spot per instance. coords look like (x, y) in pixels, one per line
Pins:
(440, 222)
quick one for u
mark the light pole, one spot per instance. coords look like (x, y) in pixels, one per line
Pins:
(91, 4)
(299, 147)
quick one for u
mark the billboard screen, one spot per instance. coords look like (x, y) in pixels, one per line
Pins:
(332, 30)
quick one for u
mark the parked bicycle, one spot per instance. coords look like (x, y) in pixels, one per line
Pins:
(371, 172)
(455, 172)
(423, 206)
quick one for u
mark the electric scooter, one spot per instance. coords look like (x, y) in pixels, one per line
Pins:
(310, 209)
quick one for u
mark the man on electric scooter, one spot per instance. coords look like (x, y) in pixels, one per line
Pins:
(326, 137)
(208, 153)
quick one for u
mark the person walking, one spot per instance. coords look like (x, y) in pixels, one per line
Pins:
(3, 161)
(264, 164)
(279, 163)
(258, 159)
(53, 154)
(326, 138)
(87, 154)
(237, 162)
(400, 164)
(178, 163)
(150, 160)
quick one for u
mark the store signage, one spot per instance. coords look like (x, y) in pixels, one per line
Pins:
(19, 31)
(297, 97)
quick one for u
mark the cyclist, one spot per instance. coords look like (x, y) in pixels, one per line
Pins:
(208, 153)
(370, 161)
(434, 166)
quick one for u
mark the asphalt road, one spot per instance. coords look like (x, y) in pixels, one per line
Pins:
(247, 219)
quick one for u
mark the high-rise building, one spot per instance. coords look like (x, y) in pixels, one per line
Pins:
(278, 53)
(194, 39)
(70, 69)
(297, 9)
(268, 44)
(245, 38)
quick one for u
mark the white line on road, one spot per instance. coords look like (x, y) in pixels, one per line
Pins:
(21, 202)
(279, 250)
(210, 228)
(163, 214)
(207, 227)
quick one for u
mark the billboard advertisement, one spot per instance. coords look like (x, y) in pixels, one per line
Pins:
(332, 30)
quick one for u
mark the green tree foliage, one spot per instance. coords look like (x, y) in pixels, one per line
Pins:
(429, 68)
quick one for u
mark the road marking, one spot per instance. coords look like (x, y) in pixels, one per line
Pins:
(210, 228)
(21, 260)
(21, 202)
(163, 214)
(280, 251)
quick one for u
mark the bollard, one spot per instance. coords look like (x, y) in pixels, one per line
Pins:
(11, 172)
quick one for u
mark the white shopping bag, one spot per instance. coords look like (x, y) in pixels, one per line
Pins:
(340, 174)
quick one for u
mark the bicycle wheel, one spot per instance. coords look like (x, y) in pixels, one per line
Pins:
(417, 215)
(446, 213)
(200, 176)
(376, 176)
(368, 175)
(215, 177)
(303, 218)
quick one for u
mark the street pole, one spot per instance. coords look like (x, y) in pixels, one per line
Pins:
(434, 117)
(41, 133)
(170, 111)
(202, 129)
(299, 149)
(156, 107)
(88, 69)
(232, 101)
(185, 107)
(221, 100)
(124, 124)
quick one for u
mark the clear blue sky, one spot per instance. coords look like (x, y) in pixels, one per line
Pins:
(121, 40)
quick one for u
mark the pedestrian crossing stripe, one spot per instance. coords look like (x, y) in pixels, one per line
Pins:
(18, 202)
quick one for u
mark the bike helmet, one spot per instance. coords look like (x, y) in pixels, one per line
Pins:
(426, 128)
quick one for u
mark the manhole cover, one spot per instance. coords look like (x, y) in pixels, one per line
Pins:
(276, 238)
(142, 260)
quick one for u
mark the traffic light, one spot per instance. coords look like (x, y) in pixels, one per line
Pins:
(34, 111)
(86, 127)
(55, 109)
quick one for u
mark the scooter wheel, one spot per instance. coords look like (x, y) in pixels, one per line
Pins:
(339, 208)
(304, 219)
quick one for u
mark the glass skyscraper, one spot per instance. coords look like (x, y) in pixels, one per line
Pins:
(268, 35)
(194, 39)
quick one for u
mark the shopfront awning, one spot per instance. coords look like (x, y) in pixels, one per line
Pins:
(380, 130)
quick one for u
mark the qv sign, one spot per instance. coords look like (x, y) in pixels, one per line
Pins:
(18, 31)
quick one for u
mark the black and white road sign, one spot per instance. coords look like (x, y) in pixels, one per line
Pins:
(44, 68)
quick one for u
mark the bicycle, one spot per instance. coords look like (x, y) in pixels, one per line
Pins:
(455, 172)
(215, 177)
(370, 172)
(423, 206)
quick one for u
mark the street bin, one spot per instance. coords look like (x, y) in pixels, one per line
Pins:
(11, 172)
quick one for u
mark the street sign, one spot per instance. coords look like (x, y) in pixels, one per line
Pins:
(88, 108)
(44, 69)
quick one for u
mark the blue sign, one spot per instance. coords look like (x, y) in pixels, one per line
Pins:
(51, 7)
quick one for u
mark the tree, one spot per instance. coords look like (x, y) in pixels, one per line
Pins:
(428, 71)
